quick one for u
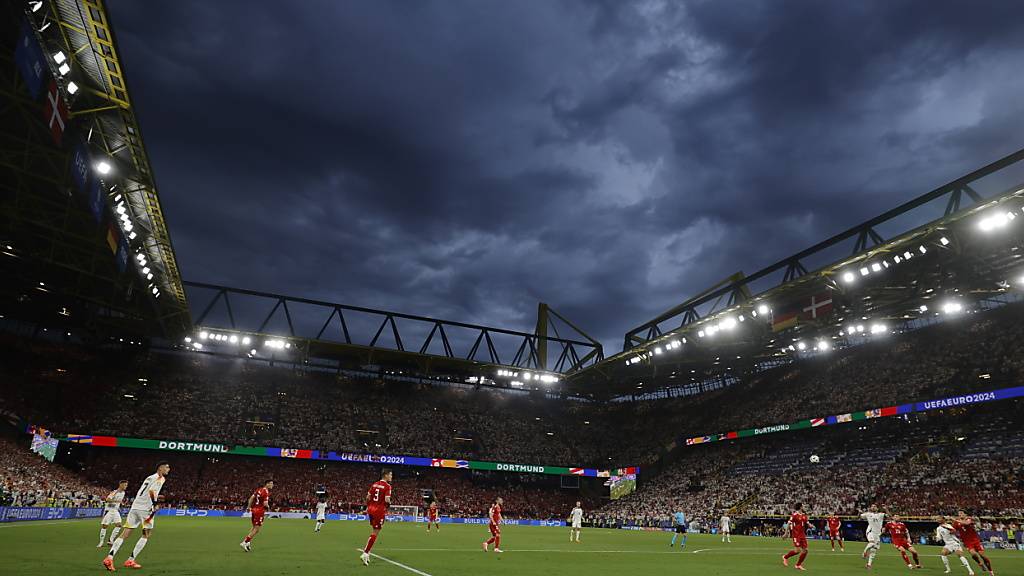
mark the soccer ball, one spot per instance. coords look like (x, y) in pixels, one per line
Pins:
(815, 459)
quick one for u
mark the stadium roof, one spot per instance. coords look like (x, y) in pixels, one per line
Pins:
(864, 286)
(49, 229)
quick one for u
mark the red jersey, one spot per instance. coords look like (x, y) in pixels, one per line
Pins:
(432, 511)
(966, 532)
(376, 497)
(798, 525)
(834, 523)
(495, 514)
(261, 498)
(898, 530)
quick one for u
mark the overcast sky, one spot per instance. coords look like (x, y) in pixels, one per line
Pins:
(465, 160)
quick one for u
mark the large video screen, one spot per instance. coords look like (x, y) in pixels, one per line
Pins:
(620, 486)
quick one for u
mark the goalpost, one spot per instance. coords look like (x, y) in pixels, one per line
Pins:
(413, 511)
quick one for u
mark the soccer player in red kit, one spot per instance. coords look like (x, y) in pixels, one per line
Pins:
(835, 532)
(258, 502)
(964, 526)
(495, 526)
(901, 540)
(378, 500)
(798, 532)
(433, 516)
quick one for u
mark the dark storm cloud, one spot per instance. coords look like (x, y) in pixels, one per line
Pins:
(467, 159)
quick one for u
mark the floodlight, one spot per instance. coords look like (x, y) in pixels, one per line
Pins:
(897, 259)
(36, 5)
(198, 345)
(657, 350)
(876, 267)
(944, 241)
(848, 277)
(72, 88)
(729, 323)
(233, 339)
(246, 340)
(188, 339)
(952, 307)
(907, 255)
(103, 167)
(923, 308)
(860, 327)
(801, 345)
(700, 334)
(922, 249)
(145, 269)
(150, 275)
(864, 271)
(823, 345)
(64, 69)
(878, 328)
(59, 57)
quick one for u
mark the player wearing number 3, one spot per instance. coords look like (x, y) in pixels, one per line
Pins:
(378, 500)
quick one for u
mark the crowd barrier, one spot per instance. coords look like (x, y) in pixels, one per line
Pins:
(21, 513)
(200, 513)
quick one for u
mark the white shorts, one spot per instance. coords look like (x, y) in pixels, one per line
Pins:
(111, 517)
(321, 516)
(953, 547)
(874, 538)
(577, 524)
(137, 518)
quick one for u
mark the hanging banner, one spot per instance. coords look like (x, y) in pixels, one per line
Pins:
(304, 454)
(1001, 394)
(30, 60)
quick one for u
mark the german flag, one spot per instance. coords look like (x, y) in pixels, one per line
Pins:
(783, 320)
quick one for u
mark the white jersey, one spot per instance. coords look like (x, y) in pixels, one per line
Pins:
(945, 534)
(576, 515)
(143, 502)
(114, 500)
(874, 519)
(724, 523)
(321, 510)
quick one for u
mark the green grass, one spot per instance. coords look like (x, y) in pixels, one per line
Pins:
(210, 546)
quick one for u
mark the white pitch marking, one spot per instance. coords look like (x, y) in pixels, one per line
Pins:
(399, 564)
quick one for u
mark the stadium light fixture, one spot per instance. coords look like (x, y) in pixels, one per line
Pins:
(35, 6)
(188, 339)
(907, 255)
(876, 267)
(246, 340)
(860, 327)
(204, 335)
(72, 88)
(729, 323)
(59, 57)
(993, 221)
(864, 271)
(700, 333)
(64, 69)
(145, 269)
(657, 350)
(763, 309)
(923, 308)
(952, 307)
(878, 328)
(233, 339)
(103, 167)
(198, 345)
(849, 277)
(252, 352)
(801, 345)
(944, 241)
(823, 346)
(922, 249)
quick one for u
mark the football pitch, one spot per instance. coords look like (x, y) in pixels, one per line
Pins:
(210, 546)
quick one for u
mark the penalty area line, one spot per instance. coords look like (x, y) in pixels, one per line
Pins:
(399, 564)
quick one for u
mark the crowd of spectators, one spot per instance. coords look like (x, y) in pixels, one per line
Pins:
(26, 479)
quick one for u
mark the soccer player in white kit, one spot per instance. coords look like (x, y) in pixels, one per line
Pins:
(321, 515)
(875, 519)
(112, 514)
(576, 518)
(724, 523)
(950, 543)
(140, 514)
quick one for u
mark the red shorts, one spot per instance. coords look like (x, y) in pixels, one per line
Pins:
(901, 543)
(836, 534)
(494, 528)
(974, 545)
(376, 518)
(800, 541)
(257, 516)
(432, 519)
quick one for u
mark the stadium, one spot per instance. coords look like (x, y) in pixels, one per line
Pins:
(855, 404)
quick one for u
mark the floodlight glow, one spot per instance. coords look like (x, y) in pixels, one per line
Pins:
(729, 323)
(848, 277)
(198, 345)
(64, 69)
(801, 345)
(204, 334)
(864, 271)
(885, 263)
(246, 340)
(860, 327)
(252, 352)
(922, 249)
(876, 267)
(59, 57)
(878, 328)
(762, 309)
(897, 259)
(923, 308)
(188, 339)
(944, 241)
(72, 88)
(150, 275)
(121, 209)
(145, 269)
(657, 350)
(952, 307)
(103, 167)
(676, 344)
(233, 339)
(700, 334)
(527, 376)
(907, 255)
(851, 330)
(36, 5)
(993, 221)
(823, 345)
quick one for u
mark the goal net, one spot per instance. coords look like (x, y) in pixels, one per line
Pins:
(413, 511)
